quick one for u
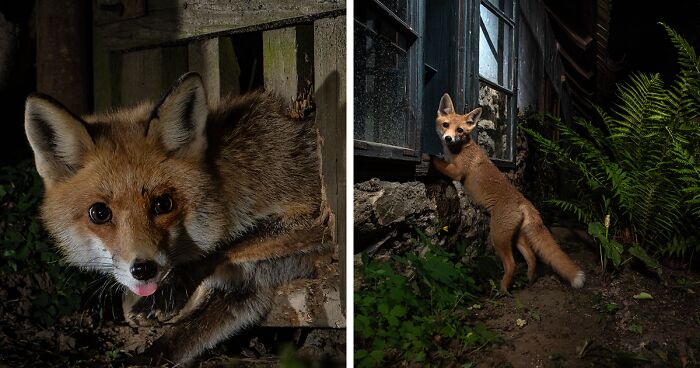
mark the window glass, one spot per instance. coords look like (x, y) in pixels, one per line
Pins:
(398, 7)
(381, 80)
(495, 42)
(506, 6)
(494, 127)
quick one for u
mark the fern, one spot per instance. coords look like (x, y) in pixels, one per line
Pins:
(638, 162)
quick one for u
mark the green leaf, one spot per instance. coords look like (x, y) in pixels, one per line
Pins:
(398, 311)
(383, 309)
(651, 263)
(643, 296)
(597, 230)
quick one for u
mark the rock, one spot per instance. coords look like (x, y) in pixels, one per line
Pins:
(487, 124)
(387, 215)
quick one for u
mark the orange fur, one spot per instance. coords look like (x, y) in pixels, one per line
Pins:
(243, 179)
(514, 220)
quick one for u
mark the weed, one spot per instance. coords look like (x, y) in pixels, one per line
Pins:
(636, 328)
(611, 308)
(417, 309)
(27, 254)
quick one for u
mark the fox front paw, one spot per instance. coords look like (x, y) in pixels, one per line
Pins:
(164, 306)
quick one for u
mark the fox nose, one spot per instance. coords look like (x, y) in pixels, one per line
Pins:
(144, 270)
(448, 139)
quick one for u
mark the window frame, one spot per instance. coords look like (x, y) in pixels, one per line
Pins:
(413, 25)
(475, 78)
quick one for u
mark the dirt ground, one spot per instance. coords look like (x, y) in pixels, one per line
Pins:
(79, 340)
(601, 325)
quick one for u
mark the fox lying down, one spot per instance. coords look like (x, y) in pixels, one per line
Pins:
(221, 204)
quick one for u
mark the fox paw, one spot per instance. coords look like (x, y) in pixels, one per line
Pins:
(163, 306)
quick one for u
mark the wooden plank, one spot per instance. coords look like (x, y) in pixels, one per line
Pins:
(168, 21)
(204, 59)
(146, 74)
(280, 62)
(63, 67)
(329, 95)
(288, 61)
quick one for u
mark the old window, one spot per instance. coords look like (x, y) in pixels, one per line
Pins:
(386, 79)
(495, 85)
(409, 53)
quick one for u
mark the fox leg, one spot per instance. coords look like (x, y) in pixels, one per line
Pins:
(236, 296)
(220, 315)
(529, 256)
(504, 250)
(448, 169)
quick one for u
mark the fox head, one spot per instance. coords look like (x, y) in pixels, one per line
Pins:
(127, 192)
(453, 129)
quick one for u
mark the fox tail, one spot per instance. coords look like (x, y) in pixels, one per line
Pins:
(541, 241)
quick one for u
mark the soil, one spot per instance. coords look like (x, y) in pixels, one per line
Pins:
(549, 324)
(90, 338)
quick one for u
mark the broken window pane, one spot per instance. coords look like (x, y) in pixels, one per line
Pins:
(494, 127)
(495, 43)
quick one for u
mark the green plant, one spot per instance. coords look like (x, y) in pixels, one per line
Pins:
(611, 308)
(27, 255)
(636, 328)
(637, 165)
(417, 309)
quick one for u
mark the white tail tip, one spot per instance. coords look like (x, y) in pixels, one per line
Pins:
(578, 281)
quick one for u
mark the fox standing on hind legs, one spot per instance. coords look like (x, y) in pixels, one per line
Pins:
(227, 198)
(514, 220)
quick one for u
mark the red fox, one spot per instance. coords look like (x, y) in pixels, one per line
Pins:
(226, 198)
(514, 220)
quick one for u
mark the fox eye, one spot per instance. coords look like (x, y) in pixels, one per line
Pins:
(445, 125)
(162, 204)
(99, 213)
(460, 130)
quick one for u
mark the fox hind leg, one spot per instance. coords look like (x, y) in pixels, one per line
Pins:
(504, 249)
(529, 255)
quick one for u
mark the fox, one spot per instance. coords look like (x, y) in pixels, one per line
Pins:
(219, 204)
(514, 220)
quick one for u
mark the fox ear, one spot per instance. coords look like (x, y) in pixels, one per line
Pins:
(179, 119)
(446, 106)
(475, 115)
(58, 138)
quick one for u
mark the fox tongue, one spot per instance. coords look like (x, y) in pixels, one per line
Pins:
(145, 289)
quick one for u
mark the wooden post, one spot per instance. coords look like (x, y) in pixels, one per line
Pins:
(287, 61)
(62, 65)
(146, 74)
(329, 95)
(204, 59)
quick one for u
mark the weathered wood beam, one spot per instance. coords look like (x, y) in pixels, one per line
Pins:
(203, 57)
(63, 65)
(583, 42)
(288, 61)
(171, 21)
(330, 98)
(146, 74)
